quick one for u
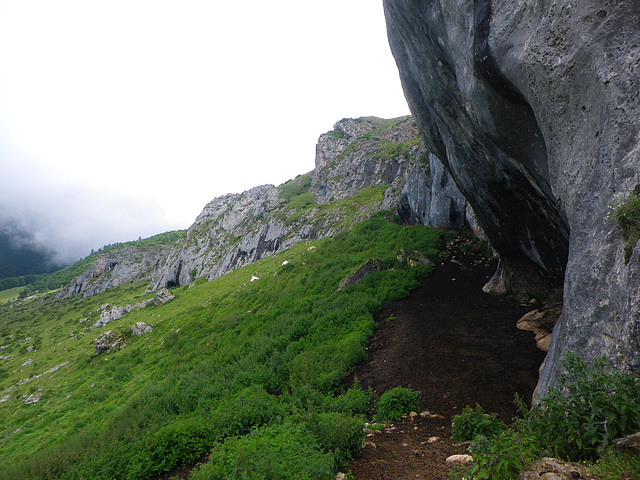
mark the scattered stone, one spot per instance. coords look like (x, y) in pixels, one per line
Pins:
(630, 443)
(460, 459)
(108, 316)
(163, 296)
(412, 258)
(554, 469)
(33, 398)
(107, 342)
(368, 267)
(27, 362)
(340, 476)
(286, 262)
(541, 322)
(141, 328)
(4, 398)
(31, 349)
(428, 414)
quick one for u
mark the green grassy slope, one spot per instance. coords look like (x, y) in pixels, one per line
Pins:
(232, 366)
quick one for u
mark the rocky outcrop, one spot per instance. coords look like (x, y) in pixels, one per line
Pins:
(541, 322)
(108, 341)
(533, 110)
(233, 231)
(431, 198)
(367, 151)
(362, 165)
(356, 277)
(140, 328)
(129, 264)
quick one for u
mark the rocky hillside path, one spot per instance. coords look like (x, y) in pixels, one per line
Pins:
(458, 346)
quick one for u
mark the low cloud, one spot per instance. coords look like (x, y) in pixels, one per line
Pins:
(70, 220)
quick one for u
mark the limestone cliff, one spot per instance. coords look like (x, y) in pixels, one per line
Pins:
(362, 165)
(533, 109)
(114, 268)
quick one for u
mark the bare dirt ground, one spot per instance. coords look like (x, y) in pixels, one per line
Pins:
(458, 346)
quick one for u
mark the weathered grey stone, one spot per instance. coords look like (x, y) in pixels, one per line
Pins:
(553, 469)
(141, 328)
(412, 258)
(367, 268)
(431, 198)
(629, 443)
(107, 316)
(462, 459)
(108, 341)
(163, 296)
(34, 398)
(130, 264)
(537, 122)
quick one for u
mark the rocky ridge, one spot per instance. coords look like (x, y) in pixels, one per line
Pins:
(358, 158)
(362, 165)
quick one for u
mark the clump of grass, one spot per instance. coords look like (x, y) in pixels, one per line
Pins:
(628, 218)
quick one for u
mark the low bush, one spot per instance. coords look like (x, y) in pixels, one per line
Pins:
(472, 423)
(269, 453)
(592, 406)
(336, 433)
(397, 402)
(578, 420)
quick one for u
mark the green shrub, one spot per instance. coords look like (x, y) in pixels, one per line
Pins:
(502, 457)
(471, 423)
(270, 453)
(336, 433)
(628, 218)
(250, 408)
(578, 420)
(591, 407)
(396, 402)
(181, 442)
(354, 401)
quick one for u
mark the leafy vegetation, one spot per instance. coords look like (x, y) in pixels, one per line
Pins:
(397, 402)
(628, 218)
(578, 421)
(232, 367)
(473, 423)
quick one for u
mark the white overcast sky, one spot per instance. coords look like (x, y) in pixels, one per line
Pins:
(123, 118)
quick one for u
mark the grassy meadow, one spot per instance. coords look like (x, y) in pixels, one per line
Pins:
(248, 370)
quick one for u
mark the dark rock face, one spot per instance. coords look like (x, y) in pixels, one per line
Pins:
(431, 198)
(533, 108)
